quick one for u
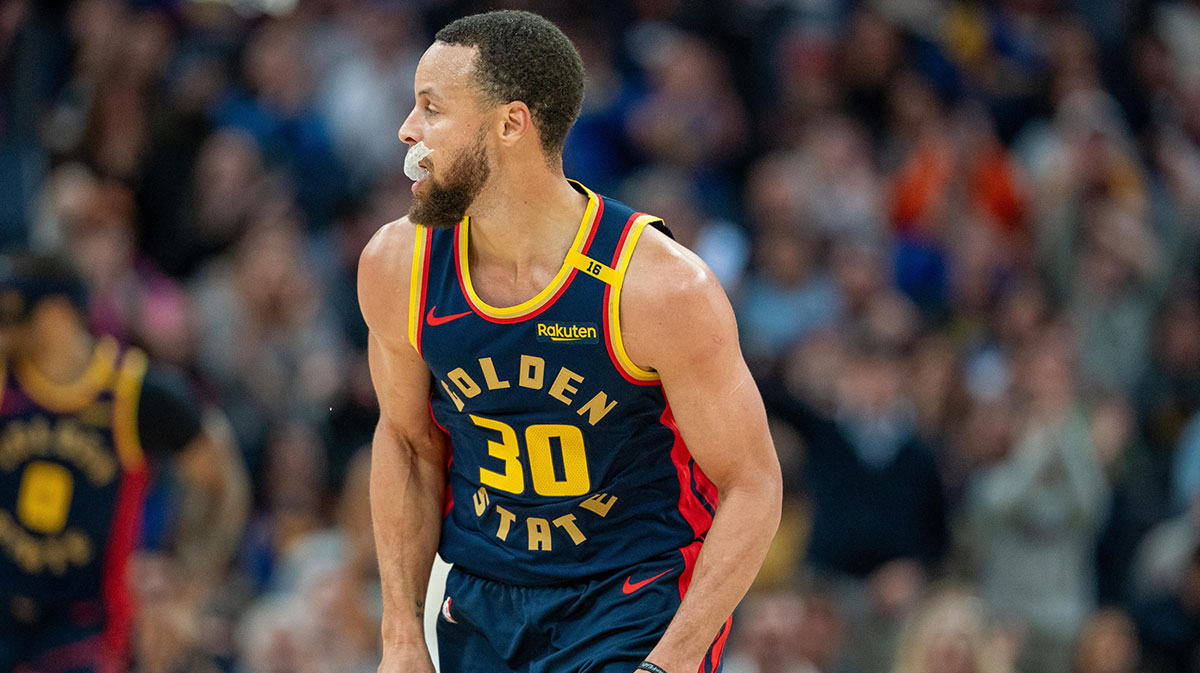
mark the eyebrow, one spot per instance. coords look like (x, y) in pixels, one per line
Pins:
(428, 92)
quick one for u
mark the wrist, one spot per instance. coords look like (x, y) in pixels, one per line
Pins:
(651, 667)
(403, 633)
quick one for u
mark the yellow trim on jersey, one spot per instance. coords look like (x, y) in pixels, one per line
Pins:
(414, 287)
(126, 399)
(614, 303)
(73, 396)
(548, 293)
(592, 267)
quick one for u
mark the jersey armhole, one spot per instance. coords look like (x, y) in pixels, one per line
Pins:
(126, 396)
(417, 286)
(612, 318)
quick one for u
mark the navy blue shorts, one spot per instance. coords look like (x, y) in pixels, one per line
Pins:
(602, 626)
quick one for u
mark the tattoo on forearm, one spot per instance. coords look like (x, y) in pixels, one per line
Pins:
(420, 608)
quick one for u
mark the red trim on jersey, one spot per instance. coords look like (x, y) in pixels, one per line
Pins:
(462, 284)
(595, 226)
(690, 507)
(448, 495)
(118, 599)
(690, 553)
(424, 288)
(612, 355)
(718, 646)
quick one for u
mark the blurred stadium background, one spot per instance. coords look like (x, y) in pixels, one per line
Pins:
(960, 237)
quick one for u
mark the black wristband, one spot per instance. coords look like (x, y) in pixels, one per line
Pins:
(653, 668)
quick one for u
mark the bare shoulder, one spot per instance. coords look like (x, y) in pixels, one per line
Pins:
(384, 272)
(670, 298)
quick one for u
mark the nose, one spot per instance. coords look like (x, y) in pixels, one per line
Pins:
(409, 129)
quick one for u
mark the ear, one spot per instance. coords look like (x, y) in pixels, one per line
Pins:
(516, 122)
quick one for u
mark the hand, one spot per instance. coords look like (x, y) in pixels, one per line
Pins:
(406, 659)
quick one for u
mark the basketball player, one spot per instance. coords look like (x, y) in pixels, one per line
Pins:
(80, 419)
(566, 415)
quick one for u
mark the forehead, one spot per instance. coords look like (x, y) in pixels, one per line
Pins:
(445, 71)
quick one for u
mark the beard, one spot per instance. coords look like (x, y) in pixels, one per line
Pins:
(445, 201)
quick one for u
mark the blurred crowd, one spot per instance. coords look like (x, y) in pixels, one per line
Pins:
(960, 236)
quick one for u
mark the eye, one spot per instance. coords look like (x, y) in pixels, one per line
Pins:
(429, 110)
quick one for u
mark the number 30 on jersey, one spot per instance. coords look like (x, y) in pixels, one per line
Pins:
(539, 449)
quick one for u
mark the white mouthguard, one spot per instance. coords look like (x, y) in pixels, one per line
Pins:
(415, 154)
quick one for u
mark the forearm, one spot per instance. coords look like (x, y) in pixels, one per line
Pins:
(733, 551)
(406, 503)
(216, 501)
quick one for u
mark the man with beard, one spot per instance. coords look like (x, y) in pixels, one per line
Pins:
(565, 412)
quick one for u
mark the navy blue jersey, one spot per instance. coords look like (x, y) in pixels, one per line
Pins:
(565, 462)
(72, 477)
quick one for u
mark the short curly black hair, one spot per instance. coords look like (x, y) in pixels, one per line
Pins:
(524, 57)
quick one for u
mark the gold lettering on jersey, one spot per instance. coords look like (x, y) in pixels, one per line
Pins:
(465, 383)
(54, 554)
(489, 375)
(560, 332)
(567, 523)
(506, 520)
(453, 398)
(67, 441)
(539, 534)
(481, 501)
(98, 414)
(562, 384)
(597, 407)
(598, 504)
(532, 369)
(541, 531)
(531, 374)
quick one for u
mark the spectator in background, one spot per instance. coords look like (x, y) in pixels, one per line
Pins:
(380, 67)
(1107, 644)
(276, 108)
(689, 117)
(785, 632)
(1036, 514)
(720, 243)
(1169, 620)
(86, 421)
(881, 539)
(266, 335)
(953, 632)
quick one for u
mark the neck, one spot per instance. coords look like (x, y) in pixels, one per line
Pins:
(527, 216)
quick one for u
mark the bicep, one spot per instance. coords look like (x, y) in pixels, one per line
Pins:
(712, 394)
(401, 381)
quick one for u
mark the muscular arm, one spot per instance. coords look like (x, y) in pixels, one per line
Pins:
(677, 320)
(407, 453)
(217, 500)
